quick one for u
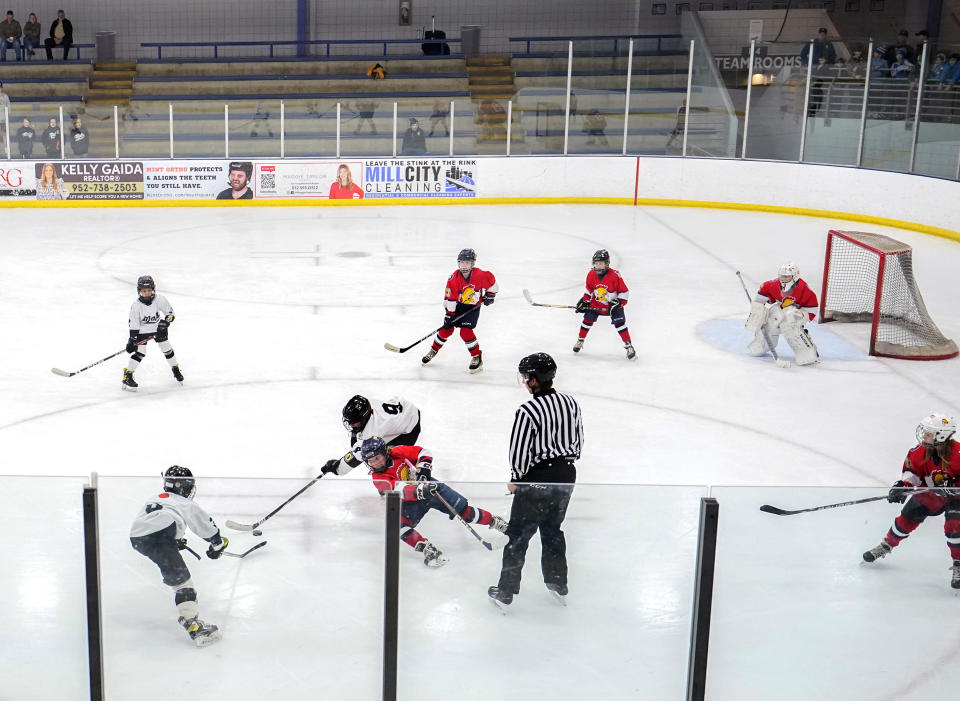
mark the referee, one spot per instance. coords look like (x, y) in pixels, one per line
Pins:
(547, 437)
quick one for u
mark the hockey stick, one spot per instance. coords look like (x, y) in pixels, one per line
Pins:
(189, 549)
(526, 295)
(64, 373)
(246, 552)
(783, 512)
(476, 535)
(393, 348)
(249, 527)
(781, 362)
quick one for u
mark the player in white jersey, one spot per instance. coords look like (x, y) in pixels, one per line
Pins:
(396, 420)
(158, 533)
(150, 315)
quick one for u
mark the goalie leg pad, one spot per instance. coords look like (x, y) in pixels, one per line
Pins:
(799, 339)
(757, 316)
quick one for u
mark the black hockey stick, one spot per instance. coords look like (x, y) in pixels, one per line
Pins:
(188, 548)
(249, 527)
(64, 373)
(783, 363)
(393, 348)
(246, 552)
(476, 535)
(783, 512)
(526, 295)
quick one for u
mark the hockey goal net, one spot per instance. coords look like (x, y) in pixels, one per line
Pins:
(869, 277)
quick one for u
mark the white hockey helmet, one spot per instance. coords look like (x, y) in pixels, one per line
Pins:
(936, 429)
(789, 270)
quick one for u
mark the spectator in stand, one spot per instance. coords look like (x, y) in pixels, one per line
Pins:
(25, 136)
(61, 34)
(822, 72)
(902, 44)
(924, 38)
(414, 140)
(901, 67)
(879, 68)
(821, 47)
(49, 185)
(857, 67)
(51, 139)
(10, 34)
(343, 188)
(31, 36)
(936, 68)
(950, 73)
(4, 101)
(79, 139)
(840, 69)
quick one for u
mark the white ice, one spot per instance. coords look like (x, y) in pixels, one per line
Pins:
(281, 317)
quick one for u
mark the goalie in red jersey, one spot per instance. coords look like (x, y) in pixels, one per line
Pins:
(409, 469)
(467, 288)
(783, 305)
(930, 471)
(606, 294)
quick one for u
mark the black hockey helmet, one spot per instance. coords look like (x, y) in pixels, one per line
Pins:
(179, 480)
(467, 254)
(602, 256)
(539, 366)
(372, 447)
(357, 410)
(244, 166)
(146, 281)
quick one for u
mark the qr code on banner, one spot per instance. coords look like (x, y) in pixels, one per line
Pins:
(268, 181)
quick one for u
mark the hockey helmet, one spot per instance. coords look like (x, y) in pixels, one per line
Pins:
(145, 282)
(245, 167)
(936, 429)
(790, 270)
(601, 256)
(539, 366)
(179, 480)
(371, 448)
(357, 410)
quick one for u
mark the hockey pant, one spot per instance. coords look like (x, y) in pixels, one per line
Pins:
(467, 324)
(161, 548)
(161, 340)
(617, 318)
(914, 513)
(413, 511)
(769, 322)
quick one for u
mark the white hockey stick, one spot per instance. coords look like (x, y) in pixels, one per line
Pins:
(526, 295)
(781, 362)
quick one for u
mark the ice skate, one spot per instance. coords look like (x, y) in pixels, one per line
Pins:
(432, 557)
(177, 375)
(883, 550)
(476, 363)
(559, 592)
(201, 633)
(631, 352)
(955, 577)
(498, 524)
(431, 354)
(578, 346)
(500, 599)
(129, 384)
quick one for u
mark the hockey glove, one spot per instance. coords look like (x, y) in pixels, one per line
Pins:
(424, 472)
(943, 485)
(132, 344)
(215, 551)
(898, 492)
(489, 299)
(425, 490)
(330, 466)
(181, 543)
(448, 321)
(582, 305)
(615, 306)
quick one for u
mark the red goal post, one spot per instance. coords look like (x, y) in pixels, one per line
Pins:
(869, 277)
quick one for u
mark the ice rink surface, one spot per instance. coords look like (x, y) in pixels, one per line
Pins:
(281, 317)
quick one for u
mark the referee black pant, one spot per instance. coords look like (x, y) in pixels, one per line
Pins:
(536, 507)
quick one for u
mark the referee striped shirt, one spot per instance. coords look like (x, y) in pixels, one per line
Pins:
(547, 426)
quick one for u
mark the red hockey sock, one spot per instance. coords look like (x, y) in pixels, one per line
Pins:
(412, 537)
(951, 529)
(625, 336)
(902, 527)
(479, 516)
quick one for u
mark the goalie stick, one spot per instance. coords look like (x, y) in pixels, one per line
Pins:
(486, 544)
(781, 362)
(395, 349)
(776, 511)
(64, 373)
(526, 295)
(245, 552)
(249, 527)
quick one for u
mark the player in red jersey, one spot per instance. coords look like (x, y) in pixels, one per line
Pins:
(466, 288)
(784, 305)
(606, 295)
(934, 463)
(409, 469)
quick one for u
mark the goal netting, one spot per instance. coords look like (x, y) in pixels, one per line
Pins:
(869, 277)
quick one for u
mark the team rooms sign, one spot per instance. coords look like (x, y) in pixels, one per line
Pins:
(99, 180)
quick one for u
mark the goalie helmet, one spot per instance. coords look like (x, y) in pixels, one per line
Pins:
(789, 270)
(936, 429)
(539, 366)
(179, 480)
(371, 448)
(357, 410)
